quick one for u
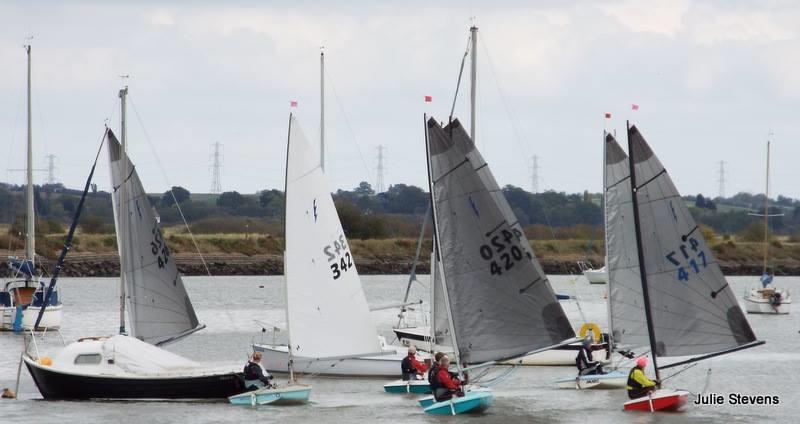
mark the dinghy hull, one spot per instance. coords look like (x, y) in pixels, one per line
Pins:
(276, 359)
(611, 380)
(54, 384)
(660, 400)
(420, 387)
(759, 301)
(472, 402)
(295, 394)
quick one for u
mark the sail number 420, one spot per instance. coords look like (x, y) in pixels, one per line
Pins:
(339, 257)
(694, 257)
(503, 254)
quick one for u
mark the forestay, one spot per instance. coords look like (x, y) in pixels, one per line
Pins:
(501, 303)
(694, 311)
(626, 304)
(159, 309)
(327, 311)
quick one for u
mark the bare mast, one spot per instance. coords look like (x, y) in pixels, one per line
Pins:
(123, 207)
(322, 110)
(473, 79)
(766, 215)
(30, 218)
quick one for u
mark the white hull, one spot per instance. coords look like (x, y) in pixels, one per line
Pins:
(612, 380)
(50, 320)
(596, 276)
(757, 301)
(276, 358)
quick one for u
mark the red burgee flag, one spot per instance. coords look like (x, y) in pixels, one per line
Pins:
(293, 103)
(428, 99)
(608, 115)
(634, 107)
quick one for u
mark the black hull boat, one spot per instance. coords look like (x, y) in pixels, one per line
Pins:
(61, 385)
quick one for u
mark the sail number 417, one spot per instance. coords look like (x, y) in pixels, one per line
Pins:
(695, 259)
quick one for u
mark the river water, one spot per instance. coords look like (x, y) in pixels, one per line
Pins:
(229, 307)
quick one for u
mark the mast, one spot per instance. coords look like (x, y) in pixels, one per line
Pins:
(642, 270)
(322, 110)
(30, 218)
(123, 206)
(290, 365)
(473, 79)
(438, 252)
(766, 215)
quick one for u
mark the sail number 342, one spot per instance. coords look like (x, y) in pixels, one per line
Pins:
(339, 257)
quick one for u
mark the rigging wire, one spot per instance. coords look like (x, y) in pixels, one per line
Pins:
(347, 122)
(164, 175)
(460, 73)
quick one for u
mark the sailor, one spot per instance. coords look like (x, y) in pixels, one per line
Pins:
(434, 367)
(254, 377)
(445, 384)
(638, 383)
(585, 362)
(412, 368)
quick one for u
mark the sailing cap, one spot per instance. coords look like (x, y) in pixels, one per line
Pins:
(641, 362)
(412, 349)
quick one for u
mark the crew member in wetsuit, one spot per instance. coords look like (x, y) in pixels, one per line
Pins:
(412, 368)
(585, 362)
(445, 384)
(638, 383)
(254, 377)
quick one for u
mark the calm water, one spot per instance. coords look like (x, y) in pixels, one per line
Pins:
(229, 306)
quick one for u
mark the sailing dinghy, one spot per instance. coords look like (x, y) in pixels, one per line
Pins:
(498, 303)
(328, 318)
(662, 270)
(132, 365)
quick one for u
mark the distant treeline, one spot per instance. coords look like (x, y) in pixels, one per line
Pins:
(397, 212)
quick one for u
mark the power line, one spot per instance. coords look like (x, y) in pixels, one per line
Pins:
(535, 174)
(379, 181)
(721, 179)
(216, 168)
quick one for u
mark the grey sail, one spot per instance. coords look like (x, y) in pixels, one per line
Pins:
(159, 309)
(693, 309)
(501, 304)
(440, 323)
(625, 301)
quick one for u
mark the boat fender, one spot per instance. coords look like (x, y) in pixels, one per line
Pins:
(46, 361)
(590, 326)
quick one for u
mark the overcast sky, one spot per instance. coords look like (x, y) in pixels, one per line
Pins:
(712, 79)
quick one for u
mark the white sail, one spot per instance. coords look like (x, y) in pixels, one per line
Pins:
(328, 315)
(693, 309)
(159, 309)
(626, 304)
(440, 323)
(501, 304)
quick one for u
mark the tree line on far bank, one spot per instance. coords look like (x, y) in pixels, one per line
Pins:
(397, 212)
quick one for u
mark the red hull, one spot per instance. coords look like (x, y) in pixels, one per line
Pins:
(661, 402)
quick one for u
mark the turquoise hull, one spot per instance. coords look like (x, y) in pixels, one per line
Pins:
(419, 387)
(281, 396)
(472, 402)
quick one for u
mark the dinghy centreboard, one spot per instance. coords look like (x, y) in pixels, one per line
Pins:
(498, 301)
(661, 268)
(328, 318)
(131, 365)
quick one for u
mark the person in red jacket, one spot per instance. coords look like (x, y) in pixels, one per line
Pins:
(412, 368)
(445, 385)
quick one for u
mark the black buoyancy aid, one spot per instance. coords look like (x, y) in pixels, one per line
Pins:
(406, 366)
(632, 383)
(433, 377)
(250, 371)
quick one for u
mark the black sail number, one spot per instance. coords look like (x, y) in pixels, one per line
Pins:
(501, 252)
(158, 247)
(339, 257)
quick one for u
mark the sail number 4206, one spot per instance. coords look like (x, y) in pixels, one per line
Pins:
(695, 259)
(339, 257)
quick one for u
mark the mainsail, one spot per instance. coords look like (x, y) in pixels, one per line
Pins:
(159, 309)
(328, 315)
(625, 302)
(440, 324)
(693, 309)
(501, 303)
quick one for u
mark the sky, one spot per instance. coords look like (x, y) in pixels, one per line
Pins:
(713, 79)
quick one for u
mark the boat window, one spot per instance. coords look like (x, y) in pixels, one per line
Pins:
(87, 359)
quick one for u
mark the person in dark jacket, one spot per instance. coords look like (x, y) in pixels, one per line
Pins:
(412, 368)
(585, 362)
(445, 384)
(254, 377)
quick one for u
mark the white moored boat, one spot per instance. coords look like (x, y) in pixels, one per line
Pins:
(328, 318)
(595, 276)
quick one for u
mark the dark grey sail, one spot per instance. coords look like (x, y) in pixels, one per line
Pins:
(159, 309)
(625, 302)
(693, 310)
(500, 303)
